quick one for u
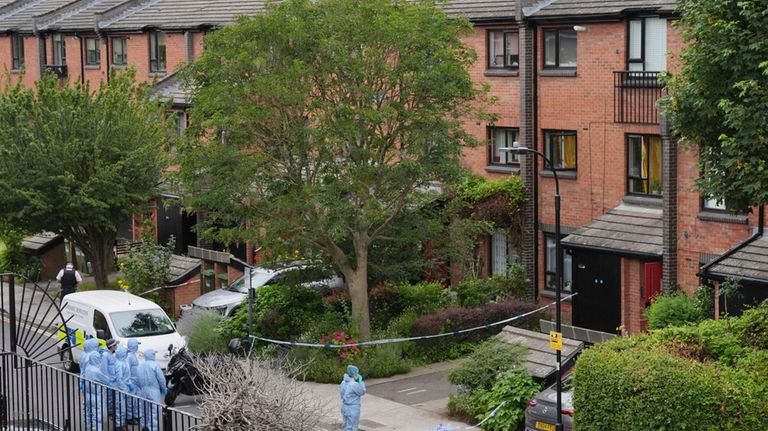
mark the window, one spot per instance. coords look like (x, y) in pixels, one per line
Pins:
(180, 120)
(502, 137)
(17, 51)
(644, 165)
(100, 324)
(713, 204)
(59, 50)
(119, 51)
(560, 148)
(560, 48)
(503, 49)
(502, 253)
(92, 52)
(647, 45)
(157, 52)
(550, 257)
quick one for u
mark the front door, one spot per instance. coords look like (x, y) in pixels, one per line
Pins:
(597, 280)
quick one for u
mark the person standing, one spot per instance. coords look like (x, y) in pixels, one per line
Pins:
(133, 363)
(352, 390)
(108, 368)
(68, 278)
(122, 382)
(93, 393)
(151, 383)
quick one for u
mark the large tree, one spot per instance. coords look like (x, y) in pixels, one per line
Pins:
(321, 121)
(79, 162)
(719, 100)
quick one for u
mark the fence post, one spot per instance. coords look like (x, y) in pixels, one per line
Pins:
(167, 419)
(12, 311)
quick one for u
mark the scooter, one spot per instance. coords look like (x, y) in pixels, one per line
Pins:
(182, 377)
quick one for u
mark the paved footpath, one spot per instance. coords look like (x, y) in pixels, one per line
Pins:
(416, 401)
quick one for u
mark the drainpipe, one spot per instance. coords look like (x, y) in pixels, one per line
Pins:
(760, 220)
(82, 59)
(108, 54)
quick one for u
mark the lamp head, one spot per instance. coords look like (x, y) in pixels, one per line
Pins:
(515, 149)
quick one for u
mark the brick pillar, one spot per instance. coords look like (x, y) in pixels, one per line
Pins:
(669, 171)
(527, 138)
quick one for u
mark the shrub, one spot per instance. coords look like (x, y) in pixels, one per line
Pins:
(474, 292)
(200, 328)
(385, 304)
(422, 298)
(513, 388)
(752, 327)
(705, 300)
(457, 318)
(480, 369)
(675, 309)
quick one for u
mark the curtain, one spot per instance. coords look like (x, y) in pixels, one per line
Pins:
(655, 180)
(569, 151)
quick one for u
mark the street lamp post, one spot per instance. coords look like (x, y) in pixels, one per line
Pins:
(515, 149)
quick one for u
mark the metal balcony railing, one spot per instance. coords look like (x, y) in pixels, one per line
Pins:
(635, 95)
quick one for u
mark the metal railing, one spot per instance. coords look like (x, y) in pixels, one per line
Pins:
(635, 95)
(39, 396)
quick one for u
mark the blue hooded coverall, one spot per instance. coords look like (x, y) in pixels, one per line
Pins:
(133, 363)
(108, 364)
(151, 383)
(352, 389)
(122, 383)
(93, 393)
(91, 345)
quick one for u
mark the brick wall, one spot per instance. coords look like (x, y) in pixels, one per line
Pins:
(184, 294)
(632, 307)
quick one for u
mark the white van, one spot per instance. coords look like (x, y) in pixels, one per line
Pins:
(106, 314)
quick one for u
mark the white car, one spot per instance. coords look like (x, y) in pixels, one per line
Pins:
(106, 314)
(226, 300)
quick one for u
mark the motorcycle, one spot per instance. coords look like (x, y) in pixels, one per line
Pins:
(182, 377)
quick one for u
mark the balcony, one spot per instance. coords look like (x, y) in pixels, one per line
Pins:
(59, 70)
(635, 95)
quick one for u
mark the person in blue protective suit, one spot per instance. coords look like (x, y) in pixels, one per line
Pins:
(352, 389)
(133, 363)
(122, 383)
(91, 345)
(93, 393)
(108, 364)
(151, 383)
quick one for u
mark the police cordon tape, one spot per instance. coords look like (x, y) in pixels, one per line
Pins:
(402, 340)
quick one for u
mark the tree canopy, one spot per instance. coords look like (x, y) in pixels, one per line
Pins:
(79, 162)
(719, 100)
(319, 122)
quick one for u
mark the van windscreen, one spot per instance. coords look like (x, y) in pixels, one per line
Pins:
(141, 323)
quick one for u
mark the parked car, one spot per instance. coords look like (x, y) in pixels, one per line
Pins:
(226, 300)
(541, 413)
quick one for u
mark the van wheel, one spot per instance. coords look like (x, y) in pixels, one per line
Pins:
(65, 354)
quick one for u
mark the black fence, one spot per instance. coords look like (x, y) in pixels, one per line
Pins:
(635, 97)
(41, 397)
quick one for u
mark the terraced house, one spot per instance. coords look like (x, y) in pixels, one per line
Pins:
(576, 79)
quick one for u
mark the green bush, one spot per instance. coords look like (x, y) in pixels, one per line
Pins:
(91, 285)
(705, 300)
(752, 327)
(422, 298)
(474, 292)
(675, 309)
(480, 369)
(514, 388)
(200, 328)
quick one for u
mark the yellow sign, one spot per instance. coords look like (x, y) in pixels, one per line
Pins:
(556, 340)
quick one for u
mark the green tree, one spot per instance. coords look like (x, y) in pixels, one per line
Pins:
(78, 162)
(147, 264)
(335, 116)
(719, 100)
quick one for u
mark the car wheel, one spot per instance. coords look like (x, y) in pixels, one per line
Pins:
(65, 354)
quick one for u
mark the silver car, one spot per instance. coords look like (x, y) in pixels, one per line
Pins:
(226, 300)
(541, 413)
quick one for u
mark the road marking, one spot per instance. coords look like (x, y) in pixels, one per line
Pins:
(409, 389)
(416, 392)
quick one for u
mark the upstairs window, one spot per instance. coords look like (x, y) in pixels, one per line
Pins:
(503, 49)
(560, 48)
(560, 148)
(644, 165)
(59, 50)
(647, 47)
(17, 51)
(502, 137)
(157, 59)
(119, 51)
(92, 52)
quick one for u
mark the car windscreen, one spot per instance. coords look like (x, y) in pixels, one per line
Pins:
(258, 279)
(141, 323)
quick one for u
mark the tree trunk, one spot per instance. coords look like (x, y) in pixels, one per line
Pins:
(99, 249)
(358, 293)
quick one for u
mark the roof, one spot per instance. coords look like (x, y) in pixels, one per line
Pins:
(78, 15)
(540, 361)
(748, 261)
(552, 9)
(41, 241)
(171, 88)
(17, 16)
(481, 10)
(112, 300)
(626, 229)
(135, 15)
(182, 268)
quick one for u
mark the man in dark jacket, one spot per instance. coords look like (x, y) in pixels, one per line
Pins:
(68, 278)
